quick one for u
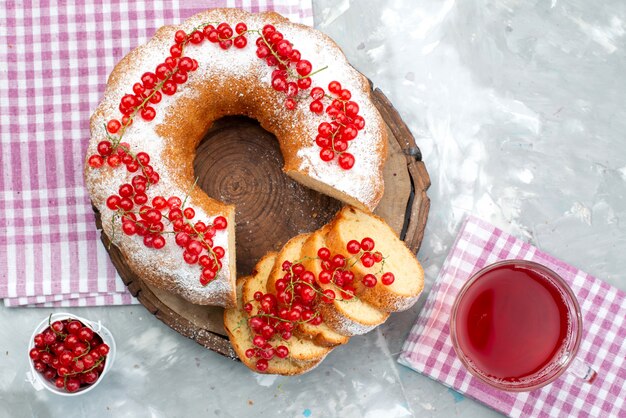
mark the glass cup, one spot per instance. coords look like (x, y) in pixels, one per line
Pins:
(490, 335)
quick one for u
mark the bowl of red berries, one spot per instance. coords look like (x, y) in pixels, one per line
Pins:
(69, 355)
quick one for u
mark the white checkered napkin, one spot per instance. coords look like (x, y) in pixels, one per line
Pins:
(428, 348)
(54, 63)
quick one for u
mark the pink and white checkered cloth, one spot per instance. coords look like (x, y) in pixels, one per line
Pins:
(54, 62)
(429, 350)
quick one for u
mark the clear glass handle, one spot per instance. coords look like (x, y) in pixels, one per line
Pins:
(582, 370)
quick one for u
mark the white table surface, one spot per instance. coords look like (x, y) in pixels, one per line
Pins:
(519, 110)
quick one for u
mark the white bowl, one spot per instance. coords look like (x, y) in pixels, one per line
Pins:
(39, 382)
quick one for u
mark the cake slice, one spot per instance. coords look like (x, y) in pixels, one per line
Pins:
(320, 334)
(353, 224)
(236, 324)
(302, 349)
(345, 317)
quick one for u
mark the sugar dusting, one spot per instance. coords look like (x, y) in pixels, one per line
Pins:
(216, 64)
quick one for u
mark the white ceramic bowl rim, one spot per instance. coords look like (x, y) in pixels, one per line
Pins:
(39, 382)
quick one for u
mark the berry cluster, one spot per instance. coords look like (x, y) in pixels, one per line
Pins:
(336, 268)
(69, 354)
(274, 316)
(292, 73)
(295, 302)
(334, 137)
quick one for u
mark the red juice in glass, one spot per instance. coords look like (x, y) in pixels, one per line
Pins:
(515, 325)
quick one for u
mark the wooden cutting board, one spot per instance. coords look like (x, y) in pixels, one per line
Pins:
(240, 163)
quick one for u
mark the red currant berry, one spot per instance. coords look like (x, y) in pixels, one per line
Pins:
(72, 384)
(295, 56)
(325, 277)
(174, 202)
(85, 334)
(268, 29)
(90, 377)
(57, 326)
(113, 202)
(334, 87)
(105, 148)
(346, 160)
(378, 257)
(316, 106)
(262, 365)
(190, 258)
(162, 71)
(282, 351)
(323, 253)
(176, 51)
(213, 36)
(180, 36)
(283, 48)
(158, 242)
(219, 252)
(140, 198)
(359, 122)
(129, 228)
(256, 323)
(340, 145)
(304, 67)
(33, 353)
(345, 95)
(367, 260)
(250, 352)
(279, 83)
(74, 326)
(369, 280)
(189, 213)
(353, 246)
(327, 154)
(329, 296)
(367, 244)
(113, 126)
(349, 132)
(207, 30)
(226, 44)
(39, 341)
(317, 93)
(196, 37)
(148, 113)
(220, 223)
(304, 83)
(59, 382)
(259, 341)
(95, 161)
(159, 202)
(240, 28)
(338, 261)
(103, 349)
(225, 30)
(387, 278)
(262, 51)
(325, 129)
(352, 109)
(240, 42)
(194, 247)
(169, 87)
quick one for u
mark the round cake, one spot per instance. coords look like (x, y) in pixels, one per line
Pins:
(163, 97)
